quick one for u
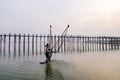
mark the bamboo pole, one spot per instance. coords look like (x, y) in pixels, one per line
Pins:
(40, 43)
(9, 43)
(1, 44)
(28, 43)
(36, 43)
(14, 44)
(19, 44)
(33, 44)
(4, 46)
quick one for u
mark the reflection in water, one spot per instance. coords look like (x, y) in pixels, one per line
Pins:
(52, 74)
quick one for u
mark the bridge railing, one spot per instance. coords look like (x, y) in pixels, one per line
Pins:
(26, 44)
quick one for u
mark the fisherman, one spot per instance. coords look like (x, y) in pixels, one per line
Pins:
(48, 53)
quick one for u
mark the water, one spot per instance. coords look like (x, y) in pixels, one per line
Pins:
(79, 58)
(103, 65)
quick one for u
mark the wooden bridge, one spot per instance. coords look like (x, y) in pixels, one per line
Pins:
(34, 43)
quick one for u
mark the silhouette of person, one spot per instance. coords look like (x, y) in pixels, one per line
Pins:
(48, 53)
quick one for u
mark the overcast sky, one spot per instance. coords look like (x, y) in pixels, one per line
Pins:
(85, 17)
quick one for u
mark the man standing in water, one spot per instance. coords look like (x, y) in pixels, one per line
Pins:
(49, 47)
(48, 53)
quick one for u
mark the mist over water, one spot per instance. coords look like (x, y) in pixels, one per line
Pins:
(80, 58)
(103, 65)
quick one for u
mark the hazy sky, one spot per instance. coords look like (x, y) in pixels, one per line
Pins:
(85, 17)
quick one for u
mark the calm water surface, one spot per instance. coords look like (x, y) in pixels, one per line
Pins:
(104, 65)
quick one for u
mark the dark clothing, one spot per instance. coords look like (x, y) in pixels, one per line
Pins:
(48, 54)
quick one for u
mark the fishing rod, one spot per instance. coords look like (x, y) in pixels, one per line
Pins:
(62, 41)
(50, 37)
(51, 52)
(65, 31)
